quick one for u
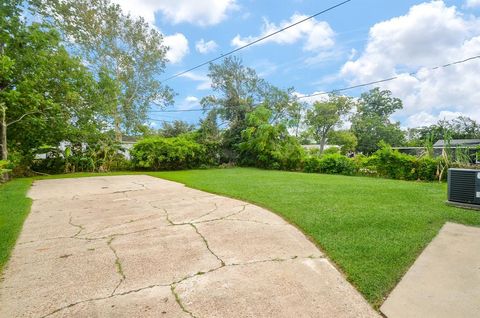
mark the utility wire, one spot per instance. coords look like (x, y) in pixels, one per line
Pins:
(340, 89)
(391, 78)
(257, 40)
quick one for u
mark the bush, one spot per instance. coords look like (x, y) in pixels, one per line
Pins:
(267, 145)
(427, 169)
(311, 164)
(158, 153)
(392, 164)
(5, 167)
(330, 164)
(365, 166)
(337, 164)
(331, 151)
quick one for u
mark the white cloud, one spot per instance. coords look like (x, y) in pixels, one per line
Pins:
(205, 82)
(205, 12)
(206, 47)
(188, 103)
(317, 35)
(430, 34)
(178, 47)
(473, 3)
(311, 99)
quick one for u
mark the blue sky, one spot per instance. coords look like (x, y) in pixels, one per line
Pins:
(361, 41)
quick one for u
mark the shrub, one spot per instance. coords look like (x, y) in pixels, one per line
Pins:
(337, 164)
(427, 169)
(330, 164)
(267, 145)
(311, 164)
(331, 150)
(365, 166)
(158, 153)
(5, 167)
(392, 164)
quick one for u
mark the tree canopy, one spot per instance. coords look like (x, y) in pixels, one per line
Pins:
(126, 53)
(371, 124)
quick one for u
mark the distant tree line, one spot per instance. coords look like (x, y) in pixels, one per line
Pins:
(84, 73)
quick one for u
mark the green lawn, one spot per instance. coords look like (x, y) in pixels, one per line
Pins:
(373, 229)
(14, 208)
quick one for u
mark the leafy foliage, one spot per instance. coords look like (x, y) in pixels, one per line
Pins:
(159, 153)
(175, 128)
(330, 164)
(268, 145)
(343, 138)
(324, 116)
(47, 95)
(371, 123)
(126, 52)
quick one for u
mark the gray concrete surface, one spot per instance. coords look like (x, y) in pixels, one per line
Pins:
(137, 246)
(444, 282)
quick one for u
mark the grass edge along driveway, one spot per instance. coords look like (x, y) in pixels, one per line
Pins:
(14, 208)
(373, 229)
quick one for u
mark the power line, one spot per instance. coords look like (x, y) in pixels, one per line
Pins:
(346, 88)
(390, 78)
(257, 40)
(179, 110)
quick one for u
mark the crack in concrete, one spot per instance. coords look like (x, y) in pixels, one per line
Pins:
(175, 283)
(141, 184)
(123, 223)
(208, 213)
(114, 235)
(255, 221)
(224, 217)
(207, 245)
(118, 265)
(79, 226)
(125, 191)
(179, 302)
(197, 222)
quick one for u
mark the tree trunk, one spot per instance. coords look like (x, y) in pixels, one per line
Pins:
(322, 144)
(117, 123)
(4, 133)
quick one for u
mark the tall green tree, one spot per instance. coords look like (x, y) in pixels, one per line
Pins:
(237, 90)
(126, 52)
(324, 116)
(46, 96)
(268, 145)
(371, 124)
(461, 127)
(175, 128)
(343, 138)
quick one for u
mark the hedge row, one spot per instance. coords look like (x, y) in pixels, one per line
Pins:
(385, 163)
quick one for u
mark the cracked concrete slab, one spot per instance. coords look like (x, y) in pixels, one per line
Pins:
(444, 281)
(243, 242)
(300, 287)
(166, 255)
(140, 246)
(148, 303)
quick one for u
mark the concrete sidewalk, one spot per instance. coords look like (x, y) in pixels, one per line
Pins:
(138, 246)
(444, 282)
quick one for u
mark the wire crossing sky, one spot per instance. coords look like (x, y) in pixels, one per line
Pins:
(397, 45)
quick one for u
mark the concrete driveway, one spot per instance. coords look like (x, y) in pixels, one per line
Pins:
(138, 246)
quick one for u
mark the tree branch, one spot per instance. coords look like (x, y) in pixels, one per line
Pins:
(25, 115)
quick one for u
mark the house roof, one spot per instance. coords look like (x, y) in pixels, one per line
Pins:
(459, 142)
(129, 139)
